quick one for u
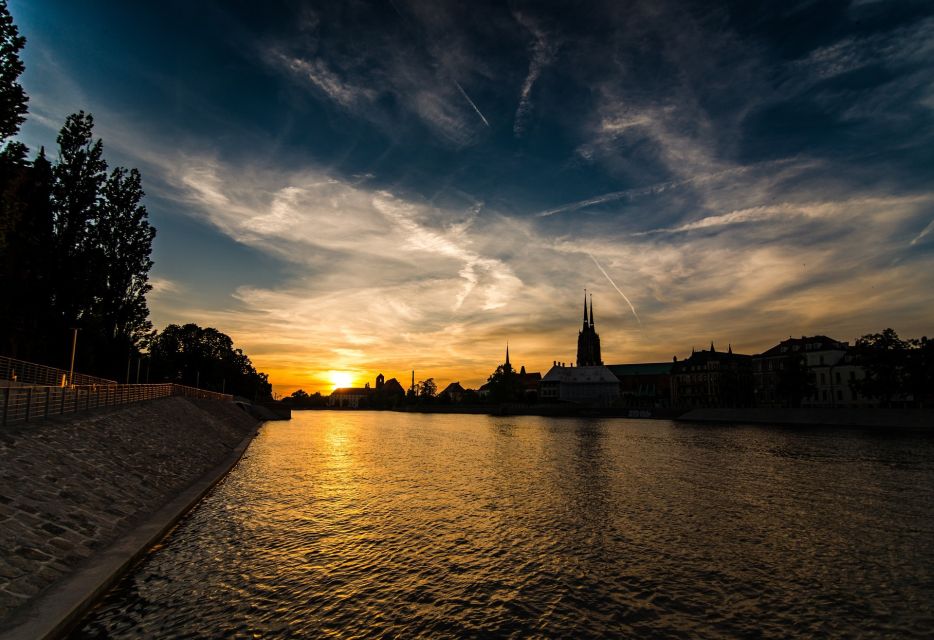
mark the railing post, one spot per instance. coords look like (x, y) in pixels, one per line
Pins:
(6, 403)
(48, 396)
(28, 403)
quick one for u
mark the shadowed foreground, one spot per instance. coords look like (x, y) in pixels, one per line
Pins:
(70, 487)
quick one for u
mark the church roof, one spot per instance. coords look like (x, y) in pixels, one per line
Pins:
(641, 369)
(454, 387)
(803, 344)
(351, 391)
(580, 375)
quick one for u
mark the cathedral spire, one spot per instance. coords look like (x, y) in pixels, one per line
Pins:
(507, 355)
(585, 308)
(592, 325)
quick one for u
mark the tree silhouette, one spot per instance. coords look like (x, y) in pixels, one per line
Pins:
(78, 179)
(427, 389)
(503, 383)
(12, 96)
(122, 239)
(883, 357)
(205, 357)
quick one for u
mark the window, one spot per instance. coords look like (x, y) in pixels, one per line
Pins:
(821, 359)
(823, 394)
(839, 394)
(837, 376)
(823, 379)
(852, 375)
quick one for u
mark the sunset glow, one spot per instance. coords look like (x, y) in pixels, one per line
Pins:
(340, 379)
(442, 198)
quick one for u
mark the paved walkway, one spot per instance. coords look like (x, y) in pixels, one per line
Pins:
(71, 487)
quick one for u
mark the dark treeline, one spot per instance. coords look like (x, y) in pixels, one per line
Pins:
(75, 247)
(206, 358)
(898, 372)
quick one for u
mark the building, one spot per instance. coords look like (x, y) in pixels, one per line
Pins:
(823, 366)
(506, 384)
(712, 379)
(386, 394)
(588, 342)
(454, 392)
(350, 397)
(589, 382)
(644, 385)
(590, 385)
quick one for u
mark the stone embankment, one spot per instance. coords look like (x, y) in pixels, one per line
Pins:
(909, 418)
(73, 486)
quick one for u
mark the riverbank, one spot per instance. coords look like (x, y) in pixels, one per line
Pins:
(900, 418)
(72, 489)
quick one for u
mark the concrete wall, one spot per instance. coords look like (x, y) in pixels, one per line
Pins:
(72, 486)
(841, 417)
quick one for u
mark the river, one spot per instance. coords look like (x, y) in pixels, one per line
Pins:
(378, 524)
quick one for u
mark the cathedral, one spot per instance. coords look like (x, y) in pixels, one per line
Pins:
(590, 382)
(588, 342)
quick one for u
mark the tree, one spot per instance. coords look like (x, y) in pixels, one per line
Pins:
(427, 389)
(206, 358)
(78, 178)
(883, 357)
(25, 238)
(919, 370)
(122, 245)
(13, 98)
(503, 384)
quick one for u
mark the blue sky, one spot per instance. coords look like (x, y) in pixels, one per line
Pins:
(366, 186)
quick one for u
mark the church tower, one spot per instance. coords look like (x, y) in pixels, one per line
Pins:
(588, 342)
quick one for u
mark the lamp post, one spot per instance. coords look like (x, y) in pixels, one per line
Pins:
(71, 369)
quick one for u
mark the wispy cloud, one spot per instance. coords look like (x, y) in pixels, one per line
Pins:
(628, 301)
(541, 52)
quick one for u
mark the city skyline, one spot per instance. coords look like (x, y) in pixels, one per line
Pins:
(386, 186)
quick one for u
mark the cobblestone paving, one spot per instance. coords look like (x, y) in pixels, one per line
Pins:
(71, 487)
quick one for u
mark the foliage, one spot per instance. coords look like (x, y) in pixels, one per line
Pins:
(301, 398)
(882, 356)
(427, 389)
(12, 96)
(503, 384)
(895, 369)
(206, 358)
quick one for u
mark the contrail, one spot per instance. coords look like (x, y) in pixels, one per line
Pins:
(617, 288)
(464, 93)
(658, 187)
(923, 233)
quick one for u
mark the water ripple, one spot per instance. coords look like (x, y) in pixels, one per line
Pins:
(390, 525)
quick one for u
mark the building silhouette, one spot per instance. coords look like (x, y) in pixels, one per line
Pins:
(386, 394)
(588, 342)
(827, 364)
(589, 382)
(712, 379)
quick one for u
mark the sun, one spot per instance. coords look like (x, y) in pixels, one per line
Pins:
(340, 379)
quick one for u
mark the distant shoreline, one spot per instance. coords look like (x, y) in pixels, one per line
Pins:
(862, 418)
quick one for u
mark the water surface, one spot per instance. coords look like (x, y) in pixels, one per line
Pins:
(365, 524)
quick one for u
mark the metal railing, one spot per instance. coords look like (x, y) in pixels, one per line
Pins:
(22, 372)
(24, 403)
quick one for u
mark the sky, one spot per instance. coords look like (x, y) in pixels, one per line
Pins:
(367, 187)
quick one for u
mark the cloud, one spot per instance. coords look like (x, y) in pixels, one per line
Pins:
(317, 72)
(385, 283)
(542, 50)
